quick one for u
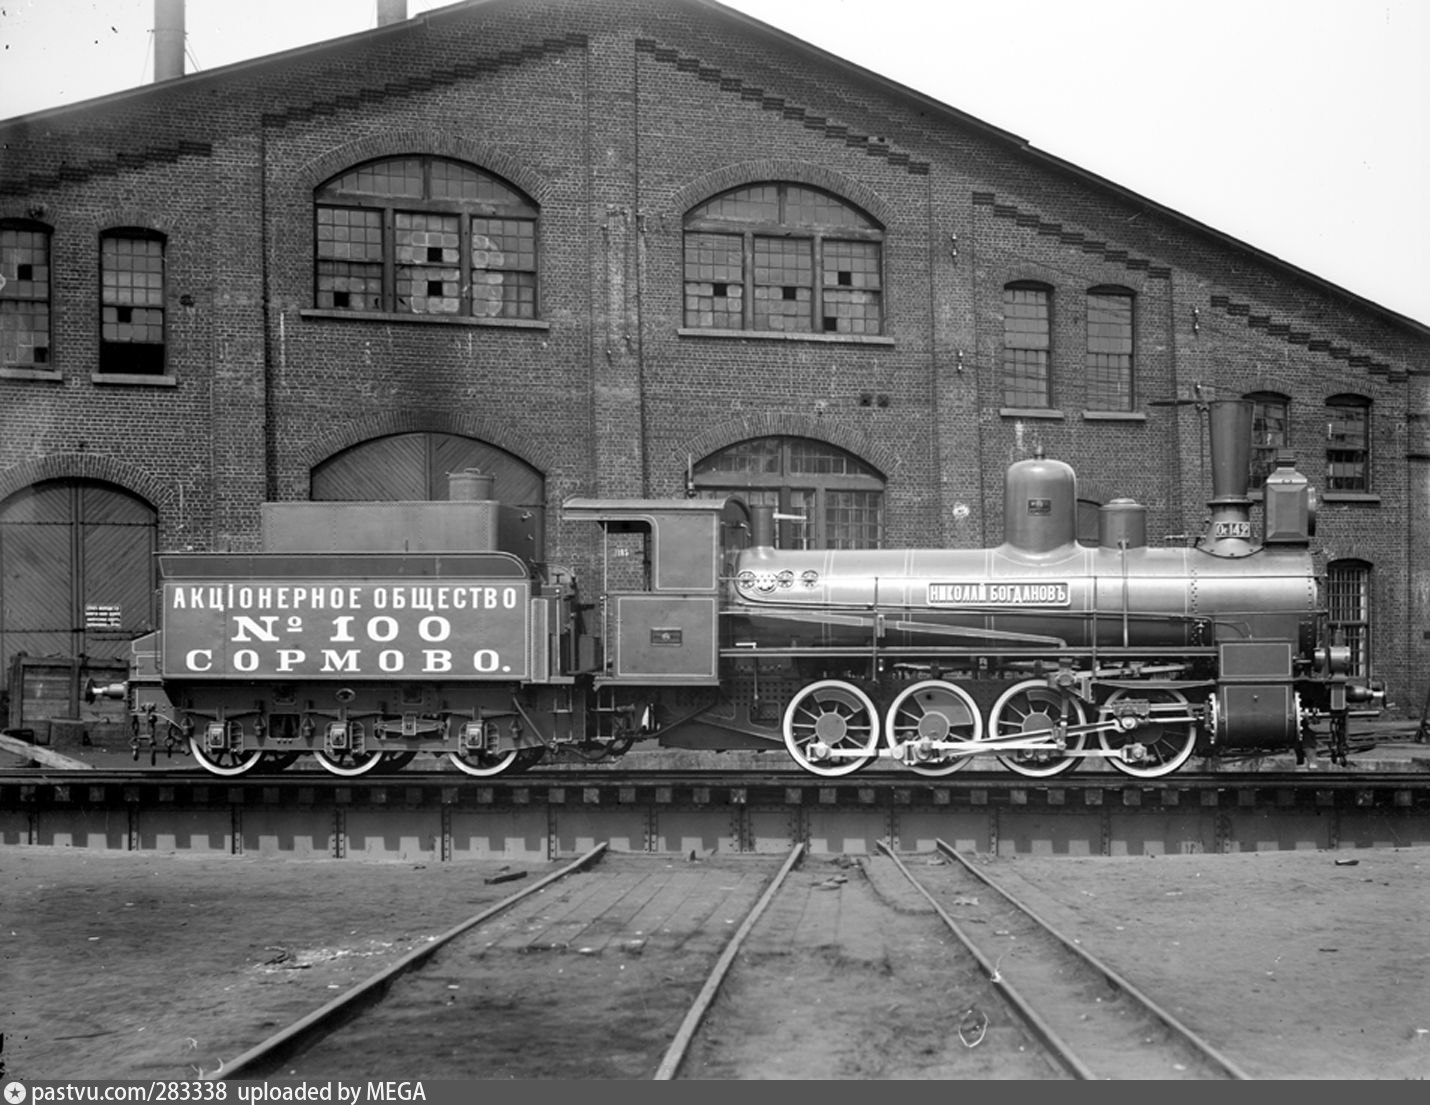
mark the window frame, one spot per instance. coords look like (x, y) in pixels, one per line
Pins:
(1125, 371)
(1017, 398)
(390, 208)
(1358, 457)
(118, 357)
(754, 233)
(37, 308)
(1262, 461)
(1342, 576)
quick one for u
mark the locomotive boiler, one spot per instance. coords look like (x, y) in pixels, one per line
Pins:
(369, 633)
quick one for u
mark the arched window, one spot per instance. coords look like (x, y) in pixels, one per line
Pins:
(1109, 349)
(24, 295)
(824, 497)
(785, 258)
(76, 576)
(1027, 345)
(1270, 433)
(415, 466)
(1347, 443)
(131, 297)
(1348, 601)
(424, 236)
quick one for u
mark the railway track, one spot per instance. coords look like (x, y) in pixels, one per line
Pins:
(486, 998)
(836, 969)
(913, 1005)
(1096, 1023)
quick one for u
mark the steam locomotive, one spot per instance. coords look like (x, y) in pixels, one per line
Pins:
(368, 633)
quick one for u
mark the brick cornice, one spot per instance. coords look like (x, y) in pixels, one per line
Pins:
(1312, 342)
(739, 88)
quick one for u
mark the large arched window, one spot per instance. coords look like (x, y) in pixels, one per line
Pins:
(785, 258)
(76, 578)
(425, 236)
(824, 497)
(414, 467)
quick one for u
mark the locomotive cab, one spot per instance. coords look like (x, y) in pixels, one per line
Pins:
(658, 608)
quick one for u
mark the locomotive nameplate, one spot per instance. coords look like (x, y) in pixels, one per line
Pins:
(1010, 593)
(462, 629)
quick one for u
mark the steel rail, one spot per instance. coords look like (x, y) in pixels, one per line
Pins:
(284, 1042)
(675, 1054)
(1020, 1005)
(1212, 1054)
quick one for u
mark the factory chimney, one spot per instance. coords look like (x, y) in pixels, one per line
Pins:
(391, 11)
(168, 39)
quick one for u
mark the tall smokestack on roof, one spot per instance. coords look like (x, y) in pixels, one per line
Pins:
(391, 11)
(168, 39)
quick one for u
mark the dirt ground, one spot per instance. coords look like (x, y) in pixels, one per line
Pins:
(1296, 964)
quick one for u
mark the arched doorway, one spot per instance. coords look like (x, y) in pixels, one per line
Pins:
(76, 585)
(414, 467)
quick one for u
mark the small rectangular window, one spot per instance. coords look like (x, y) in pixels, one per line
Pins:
(1348, 604)
(1109, 351)
(1270, 433)
(131, 305)
(24, 297)
(1027, 347)
(1347, 447)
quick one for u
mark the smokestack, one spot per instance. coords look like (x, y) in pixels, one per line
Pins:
(391, 11)
(1229, 423)
(168, 39)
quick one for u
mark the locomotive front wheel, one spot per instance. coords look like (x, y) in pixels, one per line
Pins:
(484, 764)
(1168, 746)
(1030, 708)
(831, 716)
(346, 764)
(933, 710)
(225, 762)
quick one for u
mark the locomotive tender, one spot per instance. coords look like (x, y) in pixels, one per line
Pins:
(367, 633)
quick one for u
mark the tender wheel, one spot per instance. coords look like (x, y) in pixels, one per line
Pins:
(274, 762)
(1034, 707)
(225, 763)
(484, 764)
(933, 710)
(835, 716)
(347, 764)
(396, 761)
(1168, 745)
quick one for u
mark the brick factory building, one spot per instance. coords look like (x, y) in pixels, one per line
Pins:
(634, 248)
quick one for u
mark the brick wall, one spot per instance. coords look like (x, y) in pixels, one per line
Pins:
(616, 118)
